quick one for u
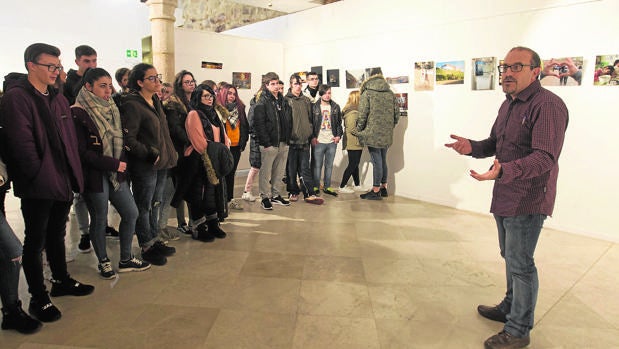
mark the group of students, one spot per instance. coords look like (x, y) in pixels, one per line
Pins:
(147, 148)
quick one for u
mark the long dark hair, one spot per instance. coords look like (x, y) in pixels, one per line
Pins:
(222, 96)
(178, 86)
(137, 74)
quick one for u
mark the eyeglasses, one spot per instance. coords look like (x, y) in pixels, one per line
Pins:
(154, 78)
(207, 96)
(52, 68)
(516, 67)
(189, 82)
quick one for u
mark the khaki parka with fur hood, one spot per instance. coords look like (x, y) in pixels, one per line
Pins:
(378, 113)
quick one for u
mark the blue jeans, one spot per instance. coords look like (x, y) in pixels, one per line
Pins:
(379, 165)
(517, 239)
(10, 249)
(148, 188)
(98, 207)
(324, 153)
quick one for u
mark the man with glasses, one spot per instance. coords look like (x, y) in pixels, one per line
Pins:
(311, 90)
(526, 141)
(39, 146)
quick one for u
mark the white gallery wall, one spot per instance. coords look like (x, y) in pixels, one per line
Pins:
(357, 34)
(110, 26)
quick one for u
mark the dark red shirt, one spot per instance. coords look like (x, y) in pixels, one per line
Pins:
(526, 138)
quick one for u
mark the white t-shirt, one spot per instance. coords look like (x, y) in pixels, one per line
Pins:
(326, 134)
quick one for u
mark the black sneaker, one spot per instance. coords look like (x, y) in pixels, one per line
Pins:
(266, 204)
(111, 232)
(371, 195)
(84, 245)
(132, 264)
(164, 250)
(383, 192)
(15, 318)
(70, 287)
(279, 200)
(43, 309)
(153, 256)
(105, 269)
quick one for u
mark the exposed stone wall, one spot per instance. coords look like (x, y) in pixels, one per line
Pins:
(220, 15)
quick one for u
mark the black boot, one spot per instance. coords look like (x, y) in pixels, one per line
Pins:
(213, 227)
(202, 233)
(14, 318)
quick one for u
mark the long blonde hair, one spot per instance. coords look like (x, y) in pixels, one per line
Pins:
(353, 102)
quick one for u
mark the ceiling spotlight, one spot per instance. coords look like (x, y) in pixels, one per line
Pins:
(270, 4)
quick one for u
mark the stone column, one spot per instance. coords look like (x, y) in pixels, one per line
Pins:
(162, 20)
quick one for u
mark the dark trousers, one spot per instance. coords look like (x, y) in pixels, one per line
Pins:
(354, 157)
(298, 165)
(45, 222)
(236, 155)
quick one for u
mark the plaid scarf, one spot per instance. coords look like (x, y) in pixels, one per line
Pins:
(106, 117)
(234, 115)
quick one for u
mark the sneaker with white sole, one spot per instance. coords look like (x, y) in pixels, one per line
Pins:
(248, 197)
(359, 188)
(279, 200)
(132, 264)
(105, 270)
(84, 245)
(345, 190)
(266, 204)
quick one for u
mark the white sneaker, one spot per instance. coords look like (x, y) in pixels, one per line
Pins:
(358, 188)
(248, 197)
(345, 190)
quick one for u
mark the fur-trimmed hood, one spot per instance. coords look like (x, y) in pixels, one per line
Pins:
(175, 103)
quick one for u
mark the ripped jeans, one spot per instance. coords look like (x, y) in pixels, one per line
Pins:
(148, 187)
(10, 263)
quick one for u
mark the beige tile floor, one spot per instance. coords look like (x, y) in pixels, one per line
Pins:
(350, 274)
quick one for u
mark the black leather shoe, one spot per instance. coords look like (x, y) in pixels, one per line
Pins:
(492, 313)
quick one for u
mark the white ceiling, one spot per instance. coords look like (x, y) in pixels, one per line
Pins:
(287, 6)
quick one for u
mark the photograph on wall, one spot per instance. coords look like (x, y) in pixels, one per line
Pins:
(450, 73)
(424, 76)
(483, 73)
(399, 79)
(402, 100)
(606, 70)
(302, 75)
(318, 70)
(354, 78)
(566, 71)
(333, 77)
(242, 81)
(212, 65)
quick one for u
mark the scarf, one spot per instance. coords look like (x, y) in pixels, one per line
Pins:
(106, 117)
(234, 115)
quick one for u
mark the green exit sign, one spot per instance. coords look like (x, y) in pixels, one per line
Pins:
(131, 53)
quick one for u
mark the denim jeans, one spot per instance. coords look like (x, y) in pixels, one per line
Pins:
(272, 170)
(299, 165)
(324, 153)
(148, 187)
(517, 239)
(379, 165)
(10, 249)
(81, 213)
(45, 228)
(98, 207)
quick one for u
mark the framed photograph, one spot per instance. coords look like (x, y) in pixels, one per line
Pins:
(242, 81)
(402, 100)
(400, 79)
(450, 73)
(354, 78)
(318, 70)
(484, 69)
(424, 76)
(333, 77)
(566, 71)
(212, 65)
(303, 76)
(606, 70)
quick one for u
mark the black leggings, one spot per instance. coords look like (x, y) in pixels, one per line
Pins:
(354, 157)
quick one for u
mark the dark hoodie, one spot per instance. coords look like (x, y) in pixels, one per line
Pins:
(301, 107)
(72, 86)
(146, 134)
(39, 143)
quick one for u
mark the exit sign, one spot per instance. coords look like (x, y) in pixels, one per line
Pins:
(131, 53)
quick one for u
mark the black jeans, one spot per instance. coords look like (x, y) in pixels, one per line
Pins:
(298, 165)
(45, 222)
(354, 157)
(236, 155)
